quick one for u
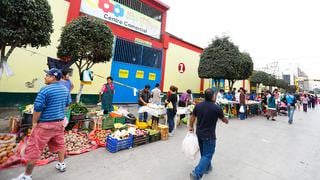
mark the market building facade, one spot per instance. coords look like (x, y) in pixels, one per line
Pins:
(143, 53)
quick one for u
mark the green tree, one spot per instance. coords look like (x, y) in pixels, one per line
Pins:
(243, 68)
(280, 83)
(218, 60)
(259, 77)
(24, 23)
(270, 81)
(85, 41)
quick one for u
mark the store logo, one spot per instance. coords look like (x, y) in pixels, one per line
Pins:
(109, 7)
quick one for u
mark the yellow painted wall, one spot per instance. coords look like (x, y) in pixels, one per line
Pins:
(187, 80)
(28, 66)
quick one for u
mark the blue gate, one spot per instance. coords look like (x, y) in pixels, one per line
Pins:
(135, 66)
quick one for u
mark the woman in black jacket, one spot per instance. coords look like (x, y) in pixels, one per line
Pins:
(171, 104)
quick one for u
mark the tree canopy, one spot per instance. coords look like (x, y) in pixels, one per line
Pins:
(280, 83)
(24, 23)
(259, 77)
(85, 41)
(223, 60)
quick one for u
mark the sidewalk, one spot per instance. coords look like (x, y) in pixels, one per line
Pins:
(253, 149)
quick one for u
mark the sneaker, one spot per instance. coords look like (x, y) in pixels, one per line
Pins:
(23, 177)
(170, 134)
(209, 170)
(273, 119)
(61, 167)
(193, 176)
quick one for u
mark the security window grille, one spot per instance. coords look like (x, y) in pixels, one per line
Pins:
(132, 53)
(141, 7)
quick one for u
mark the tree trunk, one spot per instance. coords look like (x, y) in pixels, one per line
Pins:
(79, 93)
(229, 84)
(232, 84)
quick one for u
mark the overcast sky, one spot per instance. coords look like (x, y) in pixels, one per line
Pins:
(287, 31)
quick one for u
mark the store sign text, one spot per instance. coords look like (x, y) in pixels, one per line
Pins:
(121, 15)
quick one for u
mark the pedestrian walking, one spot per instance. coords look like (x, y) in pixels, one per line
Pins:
(207, 114)
(291, 101)
(47, 123)
(171, 105)
(272, 107)
(305, 100)
(106, 96)
(144, 98)
(184, 101)
(313, 101)
(243, 108)
(155, 94)
(65, 80)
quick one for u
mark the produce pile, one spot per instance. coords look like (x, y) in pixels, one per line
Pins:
(120, 135)
(6, 151)
(76, 142)
(6, 138)
(100, 136)
(46, 154)
(152, 132)
(141, 132)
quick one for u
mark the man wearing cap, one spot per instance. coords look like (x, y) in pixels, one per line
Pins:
(47, 121)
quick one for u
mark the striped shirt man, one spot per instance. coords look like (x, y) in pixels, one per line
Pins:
(51, 102)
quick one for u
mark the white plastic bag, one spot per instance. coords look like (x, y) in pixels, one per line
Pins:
(241, 109)
(190, 146)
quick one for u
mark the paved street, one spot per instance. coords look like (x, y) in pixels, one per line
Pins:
(254, 149)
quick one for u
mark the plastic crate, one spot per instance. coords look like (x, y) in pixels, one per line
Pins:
(121, 120)
(140, 140)
(107, 122)
(115, 145)
(155, 137)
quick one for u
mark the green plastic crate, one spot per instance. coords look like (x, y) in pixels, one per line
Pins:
(121, 120)
(108, 122)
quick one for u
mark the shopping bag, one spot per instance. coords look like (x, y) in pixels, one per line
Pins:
(190, 146)
(241, 109)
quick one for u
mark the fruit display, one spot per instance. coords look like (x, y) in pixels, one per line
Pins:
(120, 135)
(101, 135)
(6, 151)
(7, 138)
(76, 142)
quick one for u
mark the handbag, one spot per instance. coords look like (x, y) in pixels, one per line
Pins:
(241, 110)
(170, 105)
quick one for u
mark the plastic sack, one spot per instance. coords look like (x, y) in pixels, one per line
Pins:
(190, 145)
(241, 110)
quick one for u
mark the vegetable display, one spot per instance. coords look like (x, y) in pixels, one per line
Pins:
(76, 141)
(46, 154)
(101, 135)
(119, 135)
(78, 108)
(6, 151)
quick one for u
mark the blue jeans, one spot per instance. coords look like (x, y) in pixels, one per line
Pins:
(290, 113)
(171, 114)
(207, 148)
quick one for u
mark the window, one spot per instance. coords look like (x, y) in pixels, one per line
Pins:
(132, 53)
(143, 8)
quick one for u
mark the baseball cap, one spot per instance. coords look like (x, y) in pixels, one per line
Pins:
(54, 72)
